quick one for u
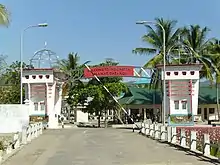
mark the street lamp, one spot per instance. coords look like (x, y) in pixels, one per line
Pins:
(164, 63)
(21, 54)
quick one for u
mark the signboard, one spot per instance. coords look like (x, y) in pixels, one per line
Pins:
(181, 120)
(109, 71)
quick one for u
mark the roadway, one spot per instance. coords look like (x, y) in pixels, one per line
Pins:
(92, 146)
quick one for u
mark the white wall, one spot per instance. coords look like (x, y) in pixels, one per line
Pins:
(38, 111)
(180, 74)
(33, 76)
(81, 116)
(13, 117)
(207, 108)
(172, 69)
(180, 92)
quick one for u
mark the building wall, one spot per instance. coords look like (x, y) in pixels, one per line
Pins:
(81, 116)
(38, 76)
(208, 111)
(204, 111)
(13, 117)
(180, 98)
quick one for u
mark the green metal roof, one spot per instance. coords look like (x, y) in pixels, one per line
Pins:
(138, 96)
(144, 96)
(207, 95)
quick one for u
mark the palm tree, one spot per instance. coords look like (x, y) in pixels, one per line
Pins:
(154, 38)
(204, 51)
(4, 16)
(70, 67)
(195, 40)
(70, 63)
(214, 49)
(73, 71)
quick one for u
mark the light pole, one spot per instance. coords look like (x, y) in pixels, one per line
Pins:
(164, 63)
(21, 54)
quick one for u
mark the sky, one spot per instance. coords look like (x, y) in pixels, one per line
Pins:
(97, 29)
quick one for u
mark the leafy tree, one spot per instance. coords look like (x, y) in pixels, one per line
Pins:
(10, 84)
(101, 100)
(154, 38)
(214, 50)
(72, 69)
(195, 40)
(71, 63)
(4, 15)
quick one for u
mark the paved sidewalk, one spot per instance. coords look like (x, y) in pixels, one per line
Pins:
(81, 146)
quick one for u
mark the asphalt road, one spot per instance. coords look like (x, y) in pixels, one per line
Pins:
(79, 146)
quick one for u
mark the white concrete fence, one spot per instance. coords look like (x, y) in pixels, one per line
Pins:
(16, 140)
(169, 134)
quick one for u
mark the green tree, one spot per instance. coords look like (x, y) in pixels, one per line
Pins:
(4, 15)
(72, 69)
(214, 50)
(101, 101)
(10, 84)
(154, 38)
(194, 38)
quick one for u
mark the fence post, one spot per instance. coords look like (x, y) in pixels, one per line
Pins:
(163, 133)
(156, 130)
(152, 130)
(206, 144)
(142, 128)
(159, 131)
(147, 129)
(9, 149)
(32, 131)
(183, 137)
(35, 130)
(169, 134)
(173, 135)
(16, 138)
(193, 140)
(38, 129)
(24, 135)
(29, 135)
(41, 128)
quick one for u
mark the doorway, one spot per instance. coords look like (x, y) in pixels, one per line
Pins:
(205, 114)
(149, 113)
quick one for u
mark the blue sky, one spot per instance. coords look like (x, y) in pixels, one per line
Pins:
(97, 29)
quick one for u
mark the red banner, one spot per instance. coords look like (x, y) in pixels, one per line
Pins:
(110, 71)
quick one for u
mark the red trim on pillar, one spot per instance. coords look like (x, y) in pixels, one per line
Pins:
(183, 95)
(180, 82)
(191, 94)
(169, 94)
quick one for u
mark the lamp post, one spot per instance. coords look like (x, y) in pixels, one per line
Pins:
(164, 63)
(21, 54)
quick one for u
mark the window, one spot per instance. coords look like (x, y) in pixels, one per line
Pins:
(184, 105)
(199, 111)
(36, 106)
(42, 106)
(176, 104)
(110, 112)
(211, 110)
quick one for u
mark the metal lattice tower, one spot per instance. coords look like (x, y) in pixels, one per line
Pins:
(44, 58)
(3, 64)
